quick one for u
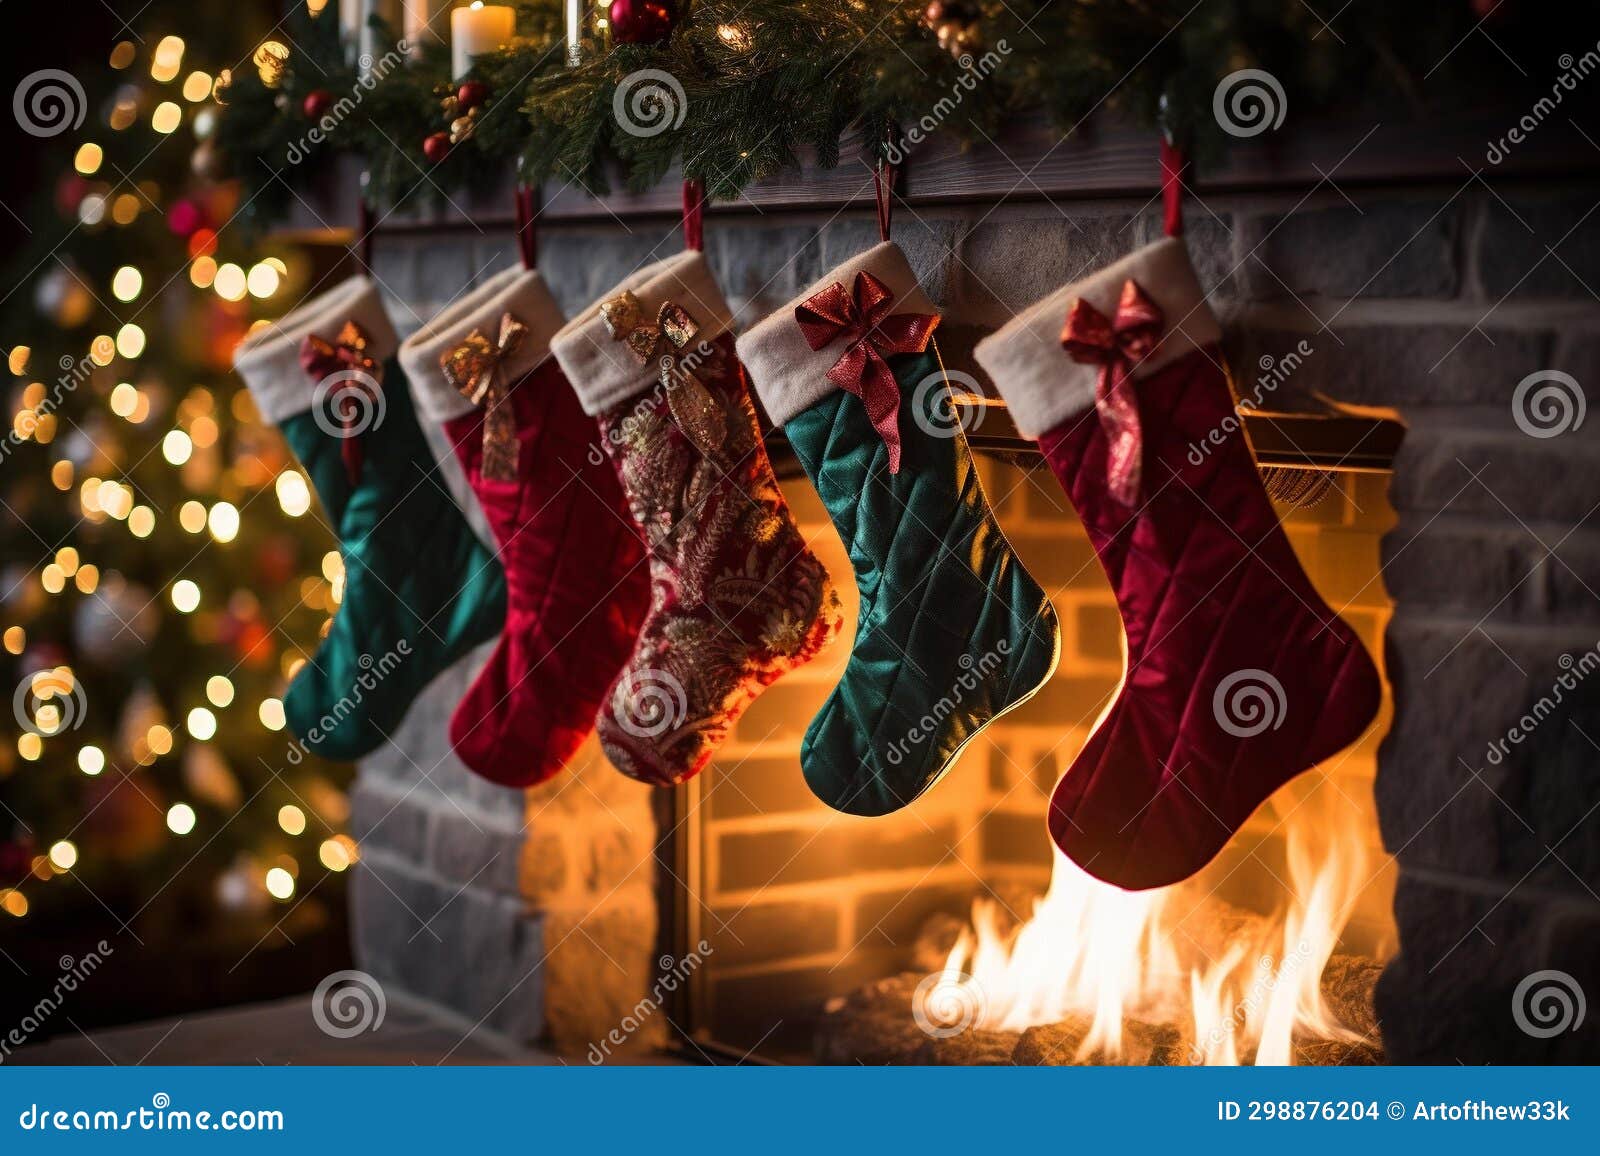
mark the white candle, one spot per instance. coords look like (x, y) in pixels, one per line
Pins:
(574, 32)
(477, 29)
(424, 23)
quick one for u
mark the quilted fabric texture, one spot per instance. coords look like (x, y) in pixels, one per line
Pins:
(576, 580)
(420, 589)
(737, 597)
(953, 632)
(1239, 676)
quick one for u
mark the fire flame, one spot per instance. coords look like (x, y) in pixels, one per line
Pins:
(1247, 987)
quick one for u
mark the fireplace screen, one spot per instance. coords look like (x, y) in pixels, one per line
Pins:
(951, 932)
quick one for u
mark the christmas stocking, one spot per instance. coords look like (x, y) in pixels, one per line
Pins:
(574, 565)
(737, 598)
(1238, 675)
(420, 589)
(953, 631)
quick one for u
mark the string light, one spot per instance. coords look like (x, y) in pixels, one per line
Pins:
(159, 739)
(263, 280)
(141, 521)
(126, 283)
(167, 59)
(219, 690)
(30, 746)
(61, 474)
(123, 54)
(224, 521)
(280, 884)
(88, 158)
(294, 496)
(63, 855)
(201, 723)
(203, 272)
(176, 447)
(16, 639)
(271, 714)
(166, 118)
(185, 595)
(130, 340)
(292, 819)
(197, 86)
(14, 902)
(192, 516)
(180, 818)
(91, 760)
(337, 853)
(230, 282)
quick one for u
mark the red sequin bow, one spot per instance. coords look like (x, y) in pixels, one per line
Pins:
(347, 368)
(473, 368)
(863, 318)
(1116, 345)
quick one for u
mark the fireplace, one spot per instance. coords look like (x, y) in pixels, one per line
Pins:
(1459, 861)
(952, 932)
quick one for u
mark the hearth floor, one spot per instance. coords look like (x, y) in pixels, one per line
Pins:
(283, 1032)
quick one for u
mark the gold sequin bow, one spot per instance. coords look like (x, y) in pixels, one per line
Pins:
(693, 407)
(473, 368)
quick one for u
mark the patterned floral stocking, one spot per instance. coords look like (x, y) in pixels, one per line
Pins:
(737, 597)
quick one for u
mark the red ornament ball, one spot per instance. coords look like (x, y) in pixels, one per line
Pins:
(436, 147)
(471, 94)
(317, 103)
(642, 21)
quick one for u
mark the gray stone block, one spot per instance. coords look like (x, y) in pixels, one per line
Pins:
(1447, 998)
(478, 954)
(1499, 474)
(1515, 239)
(1007, 264)
(1378, 248)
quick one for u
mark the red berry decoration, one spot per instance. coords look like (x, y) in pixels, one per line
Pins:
(436, 147)
(316, 104)
(642, 21)
(471, 94)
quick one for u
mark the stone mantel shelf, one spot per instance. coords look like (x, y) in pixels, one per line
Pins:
(1029, 162)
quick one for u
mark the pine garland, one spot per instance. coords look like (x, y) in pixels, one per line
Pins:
(767, 84)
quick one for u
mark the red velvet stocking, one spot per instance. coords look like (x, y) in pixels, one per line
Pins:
(1239, 676)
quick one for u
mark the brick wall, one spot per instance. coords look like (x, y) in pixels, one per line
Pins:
(1434, 301)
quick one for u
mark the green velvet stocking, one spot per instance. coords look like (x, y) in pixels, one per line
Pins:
(420, 589)
(953, 631)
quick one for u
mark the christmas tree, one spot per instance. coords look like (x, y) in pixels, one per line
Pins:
(163, 567)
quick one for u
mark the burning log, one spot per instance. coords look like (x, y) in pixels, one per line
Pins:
(972, 1047)
(871, 1025)
(1143, 1044)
